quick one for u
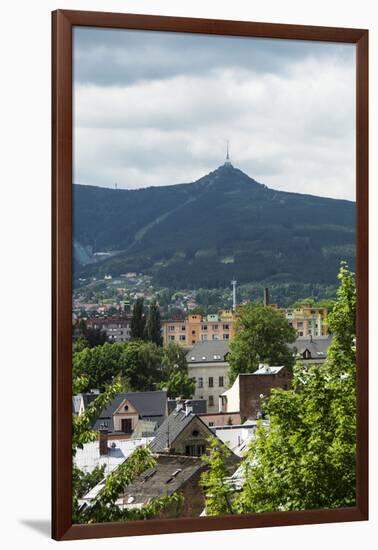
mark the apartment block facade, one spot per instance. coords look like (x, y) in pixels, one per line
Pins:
(308, 320)
(117, 329)
(196, 328)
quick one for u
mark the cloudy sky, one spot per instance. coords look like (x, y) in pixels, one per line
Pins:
(157, 109)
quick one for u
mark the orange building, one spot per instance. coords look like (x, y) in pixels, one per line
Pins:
(196, 328)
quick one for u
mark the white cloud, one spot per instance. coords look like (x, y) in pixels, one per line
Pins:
(292, 130)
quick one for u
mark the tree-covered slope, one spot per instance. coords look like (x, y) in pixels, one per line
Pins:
(203, 233)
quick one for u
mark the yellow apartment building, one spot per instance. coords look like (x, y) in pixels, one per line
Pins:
(308, 320)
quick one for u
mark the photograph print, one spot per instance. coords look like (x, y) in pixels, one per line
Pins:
(214, 259)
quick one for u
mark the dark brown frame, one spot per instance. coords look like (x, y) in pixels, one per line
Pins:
(62, 23)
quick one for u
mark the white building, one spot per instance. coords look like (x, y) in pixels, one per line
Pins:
(208, 366)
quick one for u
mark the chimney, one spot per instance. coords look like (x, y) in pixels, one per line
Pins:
(188, 408)
(179, 404)
(103, 440)
(266, 296)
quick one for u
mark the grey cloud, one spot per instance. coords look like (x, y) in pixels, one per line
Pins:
(121, 57)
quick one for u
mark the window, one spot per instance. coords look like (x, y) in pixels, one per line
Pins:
(204, 337)
(216, 337)
(211, 382)
(204, 327)
(221, 382)
(211, 424)
(226, 327)
(215, 327)
(200, 382)
(300, 333)
(193, 331)
(171, 328)
(171, 338)
(211, 401)
(300, 324)
(182, 337)
(226, 336)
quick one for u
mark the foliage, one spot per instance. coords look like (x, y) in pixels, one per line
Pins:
(103, 508)
(220, 494)
(153, 325)
(138, 321)
(88, 336)
(137, 362)
(100, 364)
(82, 482)
(141, 365)
(306, 458)
(178, 385)
(262, 335)
(173, 359)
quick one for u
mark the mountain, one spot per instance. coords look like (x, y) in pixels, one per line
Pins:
(202, 234)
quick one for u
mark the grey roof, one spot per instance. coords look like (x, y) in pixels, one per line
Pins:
(171, 428)
(209, 351)
(149, 404)
(267, 369)
(169, 474)
(317, 346)
(199, 406)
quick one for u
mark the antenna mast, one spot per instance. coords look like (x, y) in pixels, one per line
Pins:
(233, 283)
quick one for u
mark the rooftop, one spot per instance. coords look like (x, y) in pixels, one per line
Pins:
(119, 450)
(208, 352)
(169, 474)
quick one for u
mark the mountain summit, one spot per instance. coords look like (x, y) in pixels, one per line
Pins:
(204, 233)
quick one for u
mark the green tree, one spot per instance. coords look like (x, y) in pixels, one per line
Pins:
(138, 321)
(91, 336)
(137, 362)
(178, 385)
(220, 494)
(153, 325)
(141, 365)
(262, 335)
(306, 458)
(174, 359)
(99, 364)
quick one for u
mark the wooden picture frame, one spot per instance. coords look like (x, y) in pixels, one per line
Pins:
(62, 25)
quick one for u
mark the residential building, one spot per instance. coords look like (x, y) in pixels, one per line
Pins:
(171, 474)
(196, 328)
(208, 367)
(221, 419)
(308, 320)
(310, 350)
(122, 415)
(182, 433)
(247, 391)
(117, 329)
